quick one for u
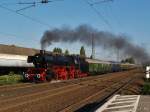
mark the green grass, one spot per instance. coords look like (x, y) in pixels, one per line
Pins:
(10, 79)
(146, 88)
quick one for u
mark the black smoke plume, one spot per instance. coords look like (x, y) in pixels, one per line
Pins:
(85, 33)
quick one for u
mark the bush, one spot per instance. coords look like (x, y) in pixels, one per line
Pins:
(10, 79)
(11, 73)
(146, 88)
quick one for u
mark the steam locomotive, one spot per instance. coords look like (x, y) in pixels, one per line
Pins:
(53, 66)
(49, 66)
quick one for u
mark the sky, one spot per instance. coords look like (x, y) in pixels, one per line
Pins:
(130, 17)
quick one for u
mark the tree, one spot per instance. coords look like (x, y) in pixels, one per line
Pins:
(91, 57)
(66, 52)
(82, 51)
(131, 60)
(57, 50)
(123, 61)
(128, 60)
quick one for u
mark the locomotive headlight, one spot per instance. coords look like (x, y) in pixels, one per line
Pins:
(38, 75)
(26, 75)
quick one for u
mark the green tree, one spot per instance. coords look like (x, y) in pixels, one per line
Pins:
(57, 50)
(128, 60)
(91, 57)
(60, 50)
(123, 61)
(82, 51)
(131, 60)
(66, 52)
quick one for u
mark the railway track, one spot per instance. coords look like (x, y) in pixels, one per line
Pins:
(65, 96)
(99, 98)
(28, 85)
(25, 89)
(10, 87)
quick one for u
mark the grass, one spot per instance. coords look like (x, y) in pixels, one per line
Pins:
(146, 88)
(10, 79)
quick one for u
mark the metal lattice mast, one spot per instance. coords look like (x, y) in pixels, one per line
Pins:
(93, 47)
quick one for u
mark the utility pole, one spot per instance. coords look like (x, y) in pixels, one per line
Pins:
(118, 55)
(93, 46)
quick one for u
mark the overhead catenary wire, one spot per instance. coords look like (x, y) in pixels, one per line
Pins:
(45, 24)
(40, 2)
(24, 3)
(8, 34)
(99, 14)
(33, 4)
(115, 16)
(101, 1)
(25, 16)
(40, 22)
(25, 8)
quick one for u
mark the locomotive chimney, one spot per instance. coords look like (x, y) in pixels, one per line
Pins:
(42, 52)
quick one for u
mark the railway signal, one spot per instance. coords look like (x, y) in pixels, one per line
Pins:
(147, 72)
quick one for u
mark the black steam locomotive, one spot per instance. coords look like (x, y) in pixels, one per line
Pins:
(49, 66)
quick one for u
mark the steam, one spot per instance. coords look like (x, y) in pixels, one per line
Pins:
(85, 33)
